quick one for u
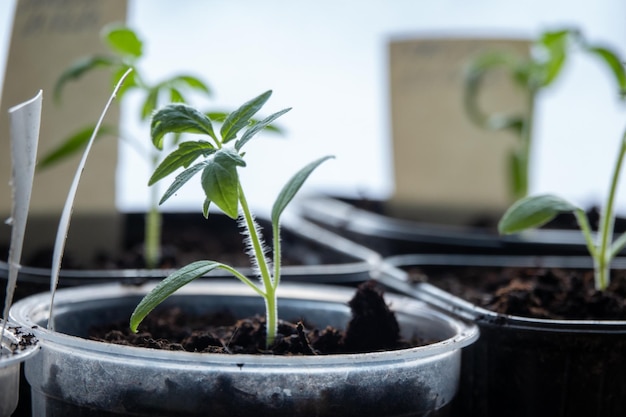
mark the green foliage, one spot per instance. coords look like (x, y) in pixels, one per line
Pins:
(127, 51)
(221, 186)
(73, 144)
(531, 73)
(535, 211)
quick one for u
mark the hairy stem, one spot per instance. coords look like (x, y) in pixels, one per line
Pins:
(271, 305)
(277, 254)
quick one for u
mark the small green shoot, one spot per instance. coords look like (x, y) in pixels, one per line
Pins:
(221, 157)
(535, 211)
(532, 74)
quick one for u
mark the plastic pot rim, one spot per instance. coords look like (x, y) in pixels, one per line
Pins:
(12, 337)
(398, 279)
(32, 310)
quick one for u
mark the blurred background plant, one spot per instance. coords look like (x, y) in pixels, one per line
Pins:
(532, 74)
(127, 51)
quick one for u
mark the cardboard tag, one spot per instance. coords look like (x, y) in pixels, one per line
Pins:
(447, 169)
(47, 37)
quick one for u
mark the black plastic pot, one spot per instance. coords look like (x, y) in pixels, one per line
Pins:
(392, 236)
(313, 254)
(521, 366)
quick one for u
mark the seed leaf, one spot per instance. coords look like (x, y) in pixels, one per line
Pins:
(179, 118)
(220, 181)
(240, 118)
(533, 211)
(168, 286)
(292, 187)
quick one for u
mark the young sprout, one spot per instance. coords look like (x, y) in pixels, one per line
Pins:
(535, 211)
(532, 73)
(221, 157)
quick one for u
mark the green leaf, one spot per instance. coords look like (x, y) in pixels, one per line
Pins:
(73, 145)
(616, 66)
(79, 68)
(123, 40)
(176, 96)
(220, 181)
(240, 118)
(181, 179)
(533, 211)
(217, 116)
(220, 116)
(179, 118)
(168, 286)
(191, 82)
(551, 62)
(474, 75)
(186, 153)
(150, 103)
(292, 187)
(257, 127)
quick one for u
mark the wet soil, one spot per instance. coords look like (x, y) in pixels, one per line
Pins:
(546, 293)
(373, 327)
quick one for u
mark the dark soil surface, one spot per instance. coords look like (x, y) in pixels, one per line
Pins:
(545, 293)
(185, 238)
(373, 327)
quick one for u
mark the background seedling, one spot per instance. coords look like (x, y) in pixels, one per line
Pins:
(532, 74)
(127, 51)
(221, 156)
(535, 211)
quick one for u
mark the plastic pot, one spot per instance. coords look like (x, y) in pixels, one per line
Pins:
(79, 377)
(391, 236)
(523, 366)
(16, 347)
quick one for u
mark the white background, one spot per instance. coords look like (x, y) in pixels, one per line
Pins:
(327, 59)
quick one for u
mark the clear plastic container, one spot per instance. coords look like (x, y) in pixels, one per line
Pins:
(75, 376)
(15, 348)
